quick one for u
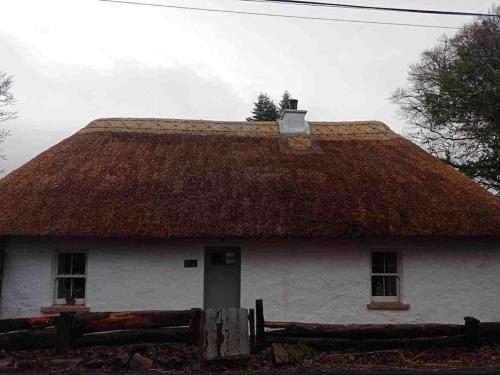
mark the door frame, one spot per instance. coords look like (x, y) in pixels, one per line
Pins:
(206, 260)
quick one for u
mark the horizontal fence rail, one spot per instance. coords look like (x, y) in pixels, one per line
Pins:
(104, 328)
(374, 336)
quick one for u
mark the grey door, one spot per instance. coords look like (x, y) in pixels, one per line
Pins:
(222, 277)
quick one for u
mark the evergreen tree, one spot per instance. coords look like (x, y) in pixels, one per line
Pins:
(285, 101)
(264, 109)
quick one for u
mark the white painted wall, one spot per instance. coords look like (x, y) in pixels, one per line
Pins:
(121, 275)
(330, 282)
(316, 281)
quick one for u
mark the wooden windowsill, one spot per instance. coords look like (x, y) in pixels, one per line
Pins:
(56, 309)
(387, 306)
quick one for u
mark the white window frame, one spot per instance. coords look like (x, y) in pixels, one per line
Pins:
(62, 301)
(397, 297)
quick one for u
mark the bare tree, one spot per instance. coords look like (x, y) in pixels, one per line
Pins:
(453, 101)
(6, 98)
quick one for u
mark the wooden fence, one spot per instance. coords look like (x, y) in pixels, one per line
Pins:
(374, 336)
(218, 334)
(114, 328)
(223, 333)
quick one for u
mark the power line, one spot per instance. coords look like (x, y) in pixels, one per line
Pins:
(279, 15)
(366, 7)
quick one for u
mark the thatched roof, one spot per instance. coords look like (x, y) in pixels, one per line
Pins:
(179, 178)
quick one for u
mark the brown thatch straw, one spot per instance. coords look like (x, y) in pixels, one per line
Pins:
(182, 178)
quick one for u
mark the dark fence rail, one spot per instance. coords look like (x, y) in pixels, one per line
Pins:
(107, 328)
(9, 325)
(374, 336)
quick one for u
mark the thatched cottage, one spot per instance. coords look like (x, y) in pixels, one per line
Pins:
(338, 222)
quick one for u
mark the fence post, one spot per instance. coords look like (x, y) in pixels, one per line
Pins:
(197, 333)
(201, 339)
(471, 331)
(197, 326)
(194, 324)
(251, 319)
(63, 332)
(260, 341)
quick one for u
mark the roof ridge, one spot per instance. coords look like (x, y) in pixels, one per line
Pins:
(332, 123)
(360, 130)
(177, 120)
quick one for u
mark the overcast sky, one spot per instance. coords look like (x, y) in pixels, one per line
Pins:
(74, 61)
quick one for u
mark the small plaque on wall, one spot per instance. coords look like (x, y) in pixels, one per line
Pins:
(190, 263)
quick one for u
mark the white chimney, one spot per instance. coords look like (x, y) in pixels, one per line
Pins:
(292, 121)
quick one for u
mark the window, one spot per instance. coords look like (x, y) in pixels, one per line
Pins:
(385, 276)
(223, 258)
(70, 277)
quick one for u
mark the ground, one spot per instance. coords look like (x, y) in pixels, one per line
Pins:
(182, 359)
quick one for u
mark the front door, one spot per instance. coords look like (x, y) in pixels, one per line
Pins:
(222, 277)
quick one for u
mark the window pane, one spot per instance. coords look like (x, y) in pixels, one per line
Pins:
(78, 264)
(218, 258)
(230, 257)
(377, 262)
(391, 286)
(78, 288)
(391, 263)
(64, 264)
(377, 285)
(63, 288)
